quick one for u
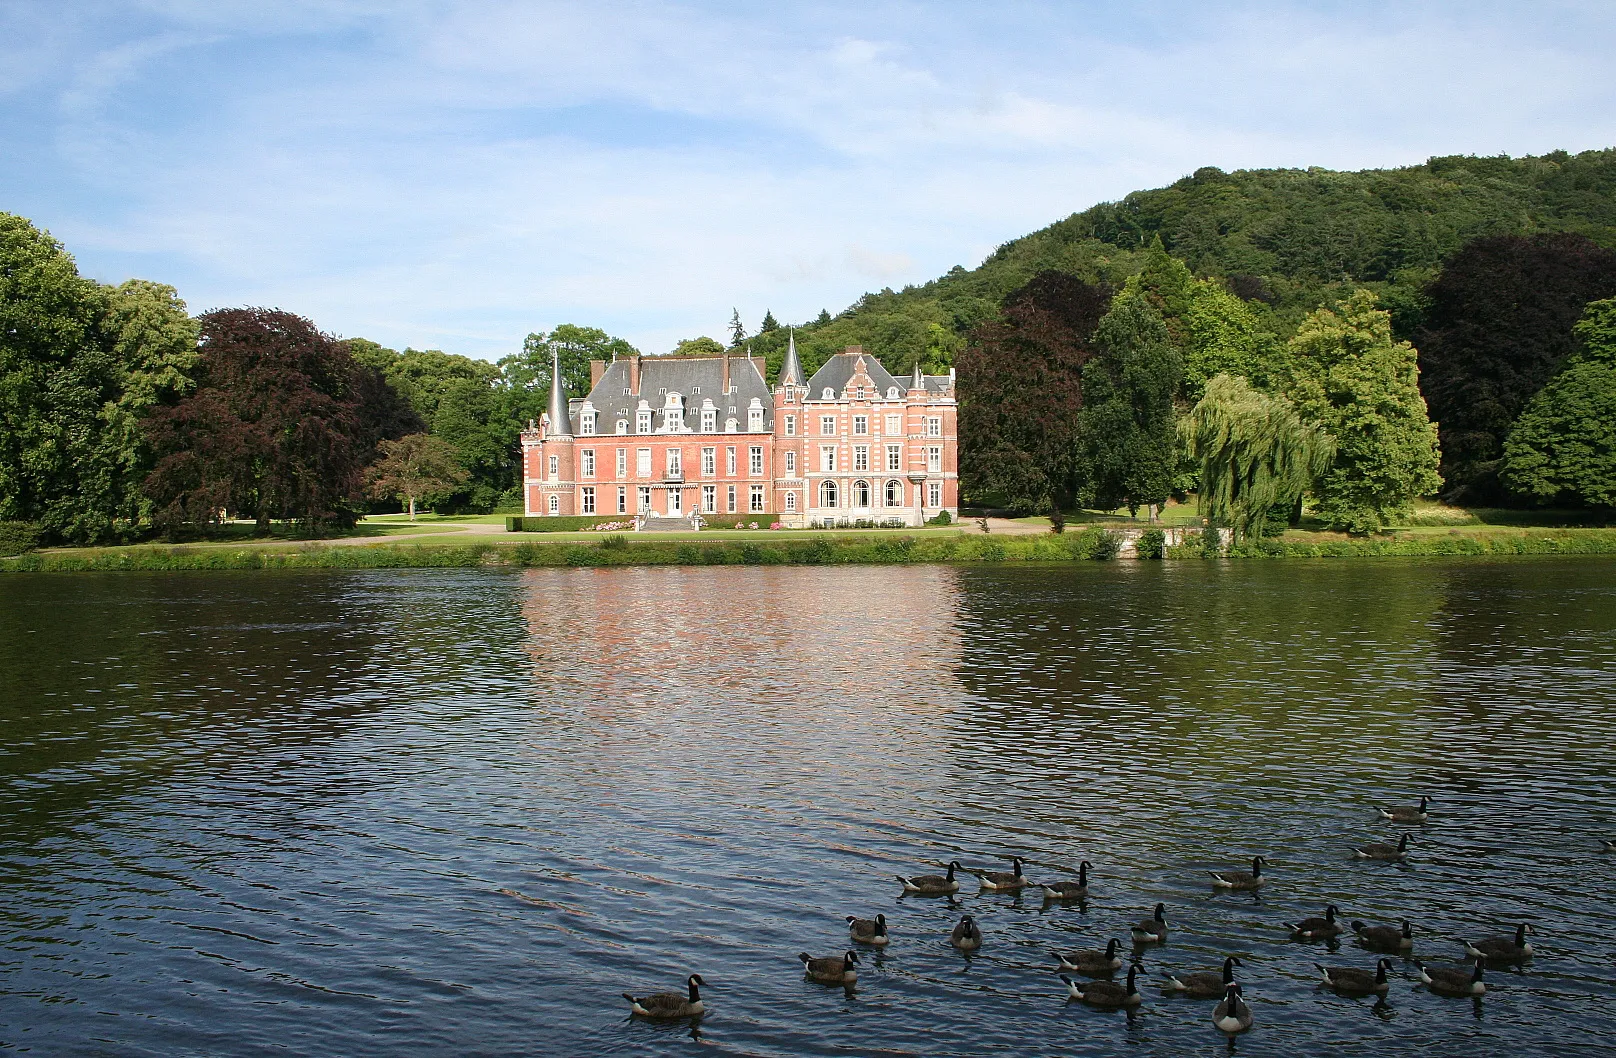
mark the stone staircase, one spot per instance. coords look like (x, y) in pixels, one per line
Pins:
(654, 523)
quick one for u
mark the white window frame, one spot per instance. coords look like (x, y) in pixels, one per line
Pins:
(934, 426)
(791, 426)
(827, 459)
(673, 461)
(791, 461)
(589, 499)
(934, 459)
(894, 457)
(754, 420)
(709, 420)
(729, 460)
(861, 458)
(754, 461)
(755, 502)
(586, 424)
(642, 463)
(934, 493)
(709, 462)
(622, 499)
(828, 491)
(555, 504)
(642, 421)
(861, 426)
(893, 493)
(555, 467)
(730, 498)
(622, 462)
(643, 499)
(827, 426)
(709, 499)
(588, 463)
(894, 424)
(622, 426)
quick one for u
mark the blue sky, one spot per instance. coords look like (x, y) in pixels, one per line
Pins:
(455, 175)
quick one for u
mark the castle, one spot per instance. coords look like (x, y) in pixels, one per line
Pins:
(671, 437)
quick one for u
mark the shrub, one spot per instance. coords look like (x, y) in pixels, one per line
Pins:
(1151, 544)
(18, 538)
(611, 543)
(943, 518)
(1107, 546)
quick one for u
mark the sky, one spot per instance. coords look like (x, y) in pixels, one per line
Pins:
(456, 175)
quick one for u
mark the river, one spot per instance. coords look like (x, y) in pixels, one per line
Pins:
(460, 812)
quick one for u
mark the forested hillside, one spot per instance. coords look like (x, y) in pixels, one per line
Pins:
(1288, 239)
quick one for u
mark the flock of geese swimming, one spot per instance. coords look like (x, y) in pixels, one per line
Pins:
(1232, 1014)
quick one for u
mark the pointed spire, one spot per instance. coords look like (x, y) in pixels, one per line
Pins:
(791, 370)
(560, 424)
(919, 379)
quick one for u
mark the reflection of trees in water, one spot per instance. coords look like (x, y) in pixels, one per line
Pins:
(112, 685)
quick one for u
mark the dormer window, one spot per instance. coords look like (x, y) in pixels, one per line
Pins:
(642, 419)
(754, 416)
(892, 392)
(709, 419)
(830, 394)
(729, 426)
(622, 426)
(586, 420)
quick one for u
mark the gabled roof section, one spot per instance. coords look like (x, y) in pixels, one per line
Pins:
(839, 370)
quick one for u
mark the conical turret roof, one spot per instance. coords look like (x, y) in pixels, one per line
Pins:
(560, 424)
(791, 373)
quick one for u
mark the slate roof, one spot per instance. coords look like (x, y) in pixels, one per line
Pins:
(698, 379)
(838, 370)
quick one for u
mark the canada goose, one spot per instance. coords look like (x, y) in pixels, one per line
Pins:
(1515, 947)
(1352, 981)
(1453, 981)
(868, 930)
(1251, 879)
(1005, 881)
(1406, 813)
(933, 884)
(1070, 890)
(1106, 993)
(669, 1004)
(1093, 963)
(966, 936)
(1386, 938)
(832, 970)
(1232, 1015)
(1205, 984)
(1152, 930)
(1382, 851)
(1316, 928)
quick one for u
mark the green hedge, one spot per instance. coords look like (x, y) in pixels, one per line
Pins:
(18, 538)
(560, 523)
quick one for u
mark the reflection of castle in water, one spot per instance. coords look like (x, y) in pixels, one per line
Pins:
(610, 640)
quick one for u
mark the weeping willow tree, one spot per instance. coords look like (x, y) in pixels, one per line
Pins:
(1255, 453)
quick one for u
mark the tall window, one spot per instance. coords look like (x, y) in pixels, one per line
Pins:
(756, 500)
(676, 463)
(729, 461)
(791, 426)
(827, 494)
(827, 458)
(894, 494)
(894, 457)
(586, 423)
(709, 420)
(709, 499)
(622, 462)
(827, 426)
(934, 426)
(754, 419)
(589, 499)
(934, 493)
(754, 460)
(730, 500)
(791, 462)
(934, 459)
(644, 499)
(555, 504)
(894, 424)
(642, 463)
(642, 421)
(709, 462)
(791, 501)
(861, 425)
(589, 463)
(555, 467)
(861, 457)
(861, 493)
(622, 500)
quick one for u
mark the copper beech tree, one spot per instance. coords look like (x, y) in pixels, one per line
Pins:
(281, 425)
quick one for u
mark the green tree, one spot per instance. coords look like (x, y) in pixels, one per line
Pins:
(737, 329)
(702, 346)
(79, 364)
(1127, 448)
(1224, 336)
(1351, 378)
(1256, 454)
(417, 467)
(1562, 449)
(769, 323)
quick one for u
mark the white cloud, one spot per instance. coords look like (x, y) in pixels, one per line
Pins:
(456, 175)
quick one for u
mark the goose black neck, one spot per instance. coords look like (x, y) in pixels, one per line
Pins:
(1256, 866)
(1520, 935)
(1477, 975)
(1133, 975)
(1228, 970)
(1380, 972)
(951, 871)
(695, 996)
(1083, 873)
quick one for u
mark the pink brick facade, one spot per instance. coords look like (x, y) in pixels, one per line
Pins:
(668, 437)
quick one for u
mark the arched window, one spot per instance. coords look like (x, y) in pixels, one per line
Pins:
(622, 426)
(791, 501)
(555, 504)
(830, 394)
(892, 392)
(894, 494)
(861, 493)
(827, 494)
